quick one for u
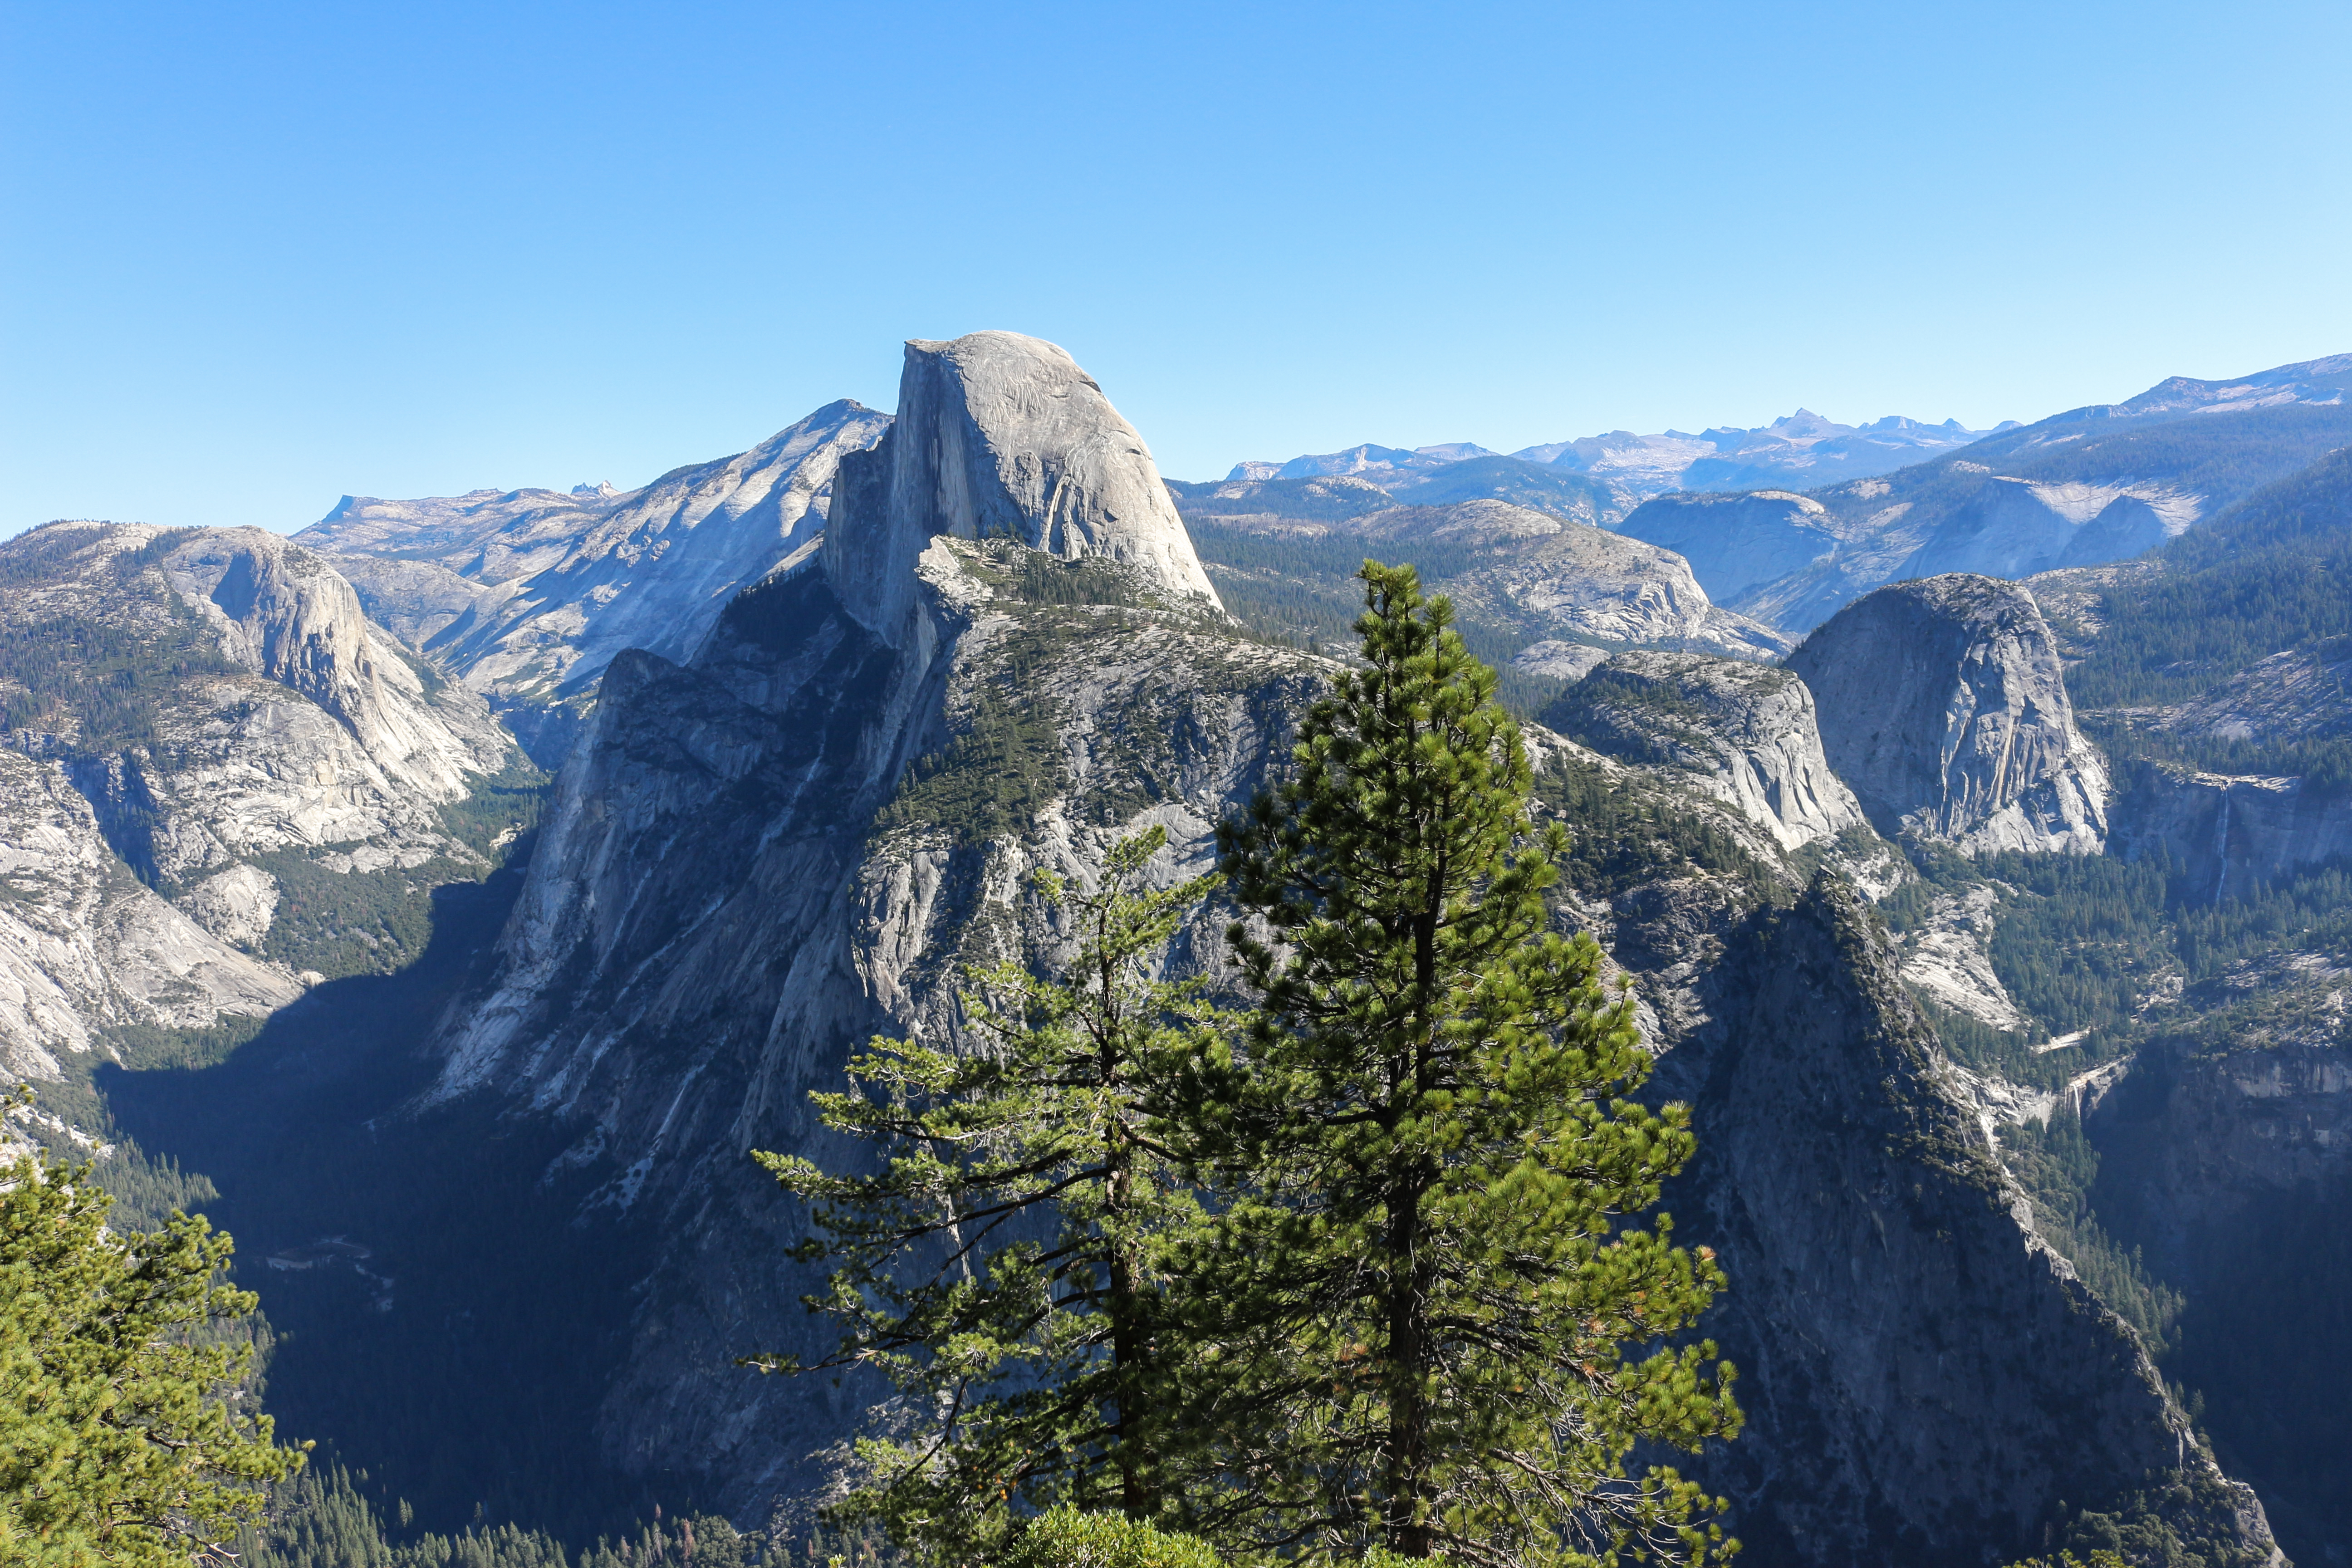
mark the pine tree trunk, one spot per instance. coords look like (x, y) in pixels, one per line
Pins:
(1408, 1477)
(1127, 1351)
(1409, 1461)
(1127, 1340)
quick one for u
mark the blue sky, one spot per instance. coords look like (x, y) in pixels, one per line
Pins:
(256, 256)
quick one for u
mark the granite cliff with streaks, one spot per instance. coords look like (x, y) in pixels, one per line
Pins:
(1943, 705)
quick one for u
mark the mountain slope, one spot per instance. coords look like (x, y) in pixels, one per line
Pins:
(221, 782)
(1943, 704)
(526, 597)
(804, 834)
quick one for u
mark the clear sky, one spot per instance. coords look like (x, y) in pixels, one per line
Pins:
(252, 256)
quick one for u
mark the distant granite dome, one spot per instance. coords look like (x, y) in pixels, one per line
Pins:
(1942, 705)
(1000, 436)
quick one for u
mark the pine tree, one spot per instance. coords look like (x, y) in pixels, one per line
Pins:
(124, 1438)
(1418, 1300)
(1001, 1271)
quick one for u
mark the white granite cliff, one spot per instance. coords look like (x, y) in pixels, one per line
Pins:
(1000, 436)
(1943, 704)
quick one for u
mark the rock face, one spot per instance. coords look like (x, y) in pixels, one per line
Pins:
(2231, 835)
(526, 596)
(283, 613)
(83, 944)
(1916, 1364)
(800, 838)
(1736, 543)
(1942, 705)
(2016, 526)
(1000, 436)
(2228, 1164)
(1746, 732)
(1948, 959)
(1560, 660)
(271, 723)
(748, 872)
(1578, 582)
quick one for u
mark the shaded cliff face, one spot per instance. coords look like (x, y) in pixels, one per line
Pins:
(1736, 543)
(2230, 836)
(802, 839)
(2227, 1159)
(1000, 436)
(526, 596)
(1943, 705)
(1925, 1381)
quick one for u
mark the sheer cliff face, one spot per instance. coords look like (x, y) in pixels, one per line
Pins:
(1943, 705)
(801, 839)
(528, 596)
(1917, 1366)
(1000, 436)
(1736, 543)
(284, 614)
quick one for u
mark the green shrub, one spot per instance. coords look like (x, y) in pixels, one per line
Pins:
(1065, 1538)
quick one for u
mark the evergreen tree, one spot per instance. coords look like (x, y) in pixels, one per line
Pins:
(1417, 1298)
(124, 1437)
(1000, 1270)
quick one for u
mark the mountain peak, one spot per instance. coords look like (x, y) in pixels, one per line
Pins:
(999, 435)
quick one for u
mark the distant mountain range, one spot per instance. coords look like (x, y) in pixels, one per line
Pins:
(2092, 485)
(1786, 523)
(1802, 449)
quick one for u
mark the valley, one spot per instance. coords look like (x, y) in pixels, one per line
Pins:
(446, 899)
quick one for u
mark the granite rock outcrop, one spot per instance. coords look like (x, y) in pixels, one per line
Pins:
(84, 944)
(1000, 435)
(1578, 582)
(256, 725)
(1745, 732)
(1942, 705)
(1890, 1290)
